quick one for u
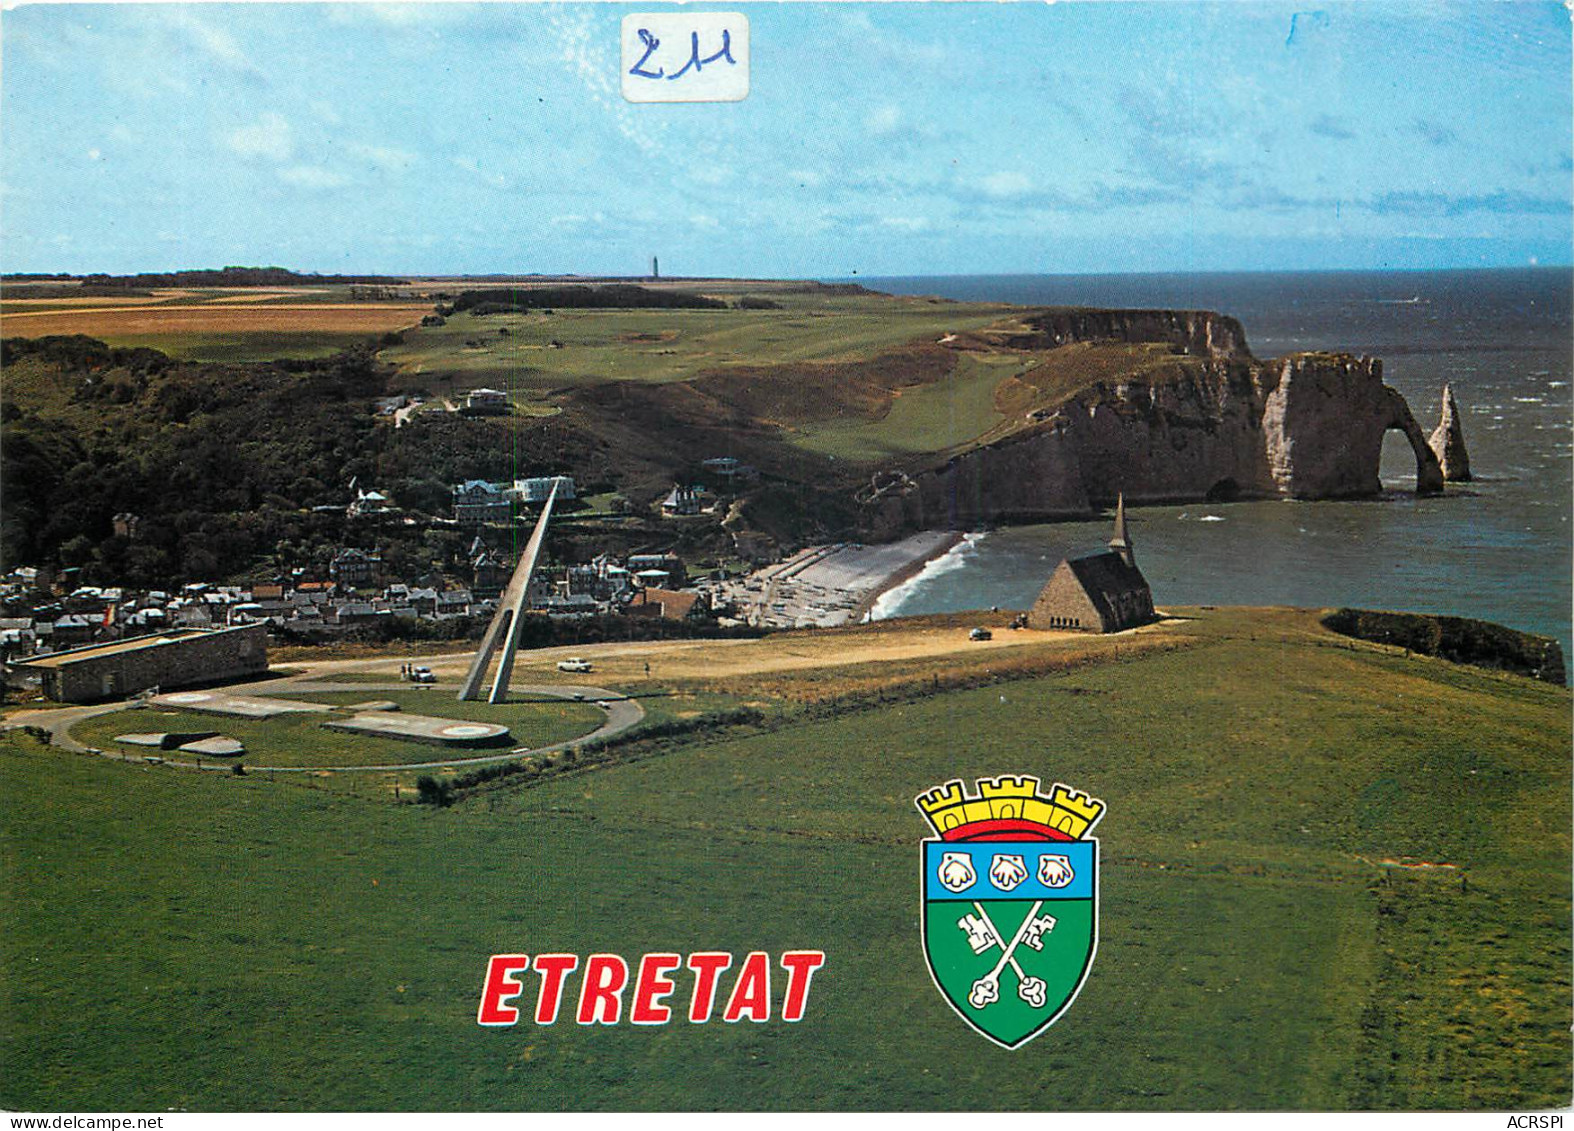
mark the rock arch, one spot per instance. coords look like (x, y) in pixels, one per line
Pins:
(1429, 473)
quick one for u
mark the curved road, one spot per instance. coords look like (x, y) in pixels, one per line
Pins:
(622, 713)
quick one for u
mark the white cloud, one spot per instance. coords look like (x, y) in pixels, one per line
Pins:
(590, 57)
(884, 120)
(473, 167)
(269, 138)
(217, 43)
(1006, 184)
(313, 176)
(710, 173)
(385, 157)
(408, 15)
(701, 220)
(905, 223)
(326, 111)
(888, 43)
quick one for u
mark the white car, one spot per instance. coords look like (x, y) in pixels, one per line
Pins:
(422, 675)
(573, 665)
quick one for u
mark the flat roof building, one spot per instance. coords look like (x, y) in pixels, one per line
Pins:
(178, 658)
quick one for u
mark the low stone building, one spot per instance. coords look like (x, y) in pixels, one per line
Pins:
(168, 660)
(669, 604)
(1099, 593)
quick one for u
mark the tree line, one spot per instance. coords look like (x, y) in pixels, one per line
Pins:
(223, 463)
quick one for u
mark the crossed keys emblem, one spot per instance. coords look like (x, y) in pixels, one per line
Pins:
(982, 934)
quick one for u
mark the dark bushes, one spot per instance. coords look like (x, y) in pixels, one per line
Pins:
(445, 791)
(617, 295)
(1479, 643)
(434, 791)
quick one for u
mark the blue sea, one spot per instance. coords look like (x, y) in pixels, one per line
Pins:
(1497, 548)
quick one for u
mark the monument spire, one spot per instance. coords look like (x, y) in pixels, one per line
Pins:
(1120, 543)
(508, 622)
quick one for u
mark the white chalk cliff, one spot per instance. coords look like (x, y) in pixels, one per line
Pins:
(1224, 426)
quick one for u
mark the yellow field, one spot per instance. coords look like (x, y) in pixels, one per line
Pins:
(250, 294)
(123, 321)
(92, 300)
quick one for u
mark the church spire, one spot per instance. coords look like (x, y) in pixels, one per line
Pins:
(1120, 543)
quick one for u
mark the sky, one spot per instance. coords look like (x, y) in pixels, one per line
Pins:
(882, 139)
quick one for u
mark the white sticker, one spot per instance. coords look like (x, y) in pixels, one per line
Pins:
(686, 57)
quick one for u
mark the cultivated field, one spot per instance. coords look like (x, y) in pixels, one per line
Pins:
(1334, 877)
(216, 324)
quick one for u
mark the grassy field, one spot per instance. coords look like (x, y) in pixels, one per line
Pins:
(301, 740)
(927, 418)
(173, 940)
(667, 345)
(237, 346)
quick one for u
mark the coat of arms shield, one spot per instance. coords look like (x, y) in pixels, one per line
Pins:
(1010, 902)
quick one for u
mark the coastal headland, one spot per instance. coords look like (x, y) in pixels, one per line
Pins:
(794, 414)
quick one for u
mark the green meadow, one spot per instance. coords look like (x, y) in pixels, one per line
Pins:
(1268, 939)
(245, 345)
(667, 345)
(927, 418)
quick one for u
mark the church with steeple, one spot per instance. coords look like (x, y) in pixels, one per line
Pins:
(1099, 593)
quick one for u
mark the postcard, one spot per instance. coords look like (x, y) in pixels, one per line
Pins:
(827, 557)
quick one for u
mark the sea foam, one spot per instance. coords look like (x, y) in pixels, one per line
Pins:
(949, 562)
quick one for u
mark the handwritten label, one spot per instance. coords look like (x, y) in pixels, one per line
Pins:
(686, 57)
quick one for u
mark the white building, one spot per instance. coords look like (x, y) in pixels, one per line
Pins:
(537, 490)
(487, 402)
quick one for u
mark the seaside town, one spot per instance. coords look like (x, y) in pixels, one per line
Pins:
(358, 596)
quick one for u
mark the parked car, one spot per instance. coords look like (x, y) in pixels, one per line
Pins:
(423, 675)
(980, 634)
(573, 665)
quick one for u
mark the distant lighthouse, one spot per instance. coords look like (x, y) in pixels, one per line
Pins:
(655, 267)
